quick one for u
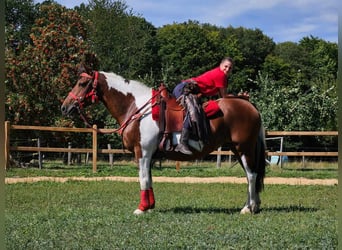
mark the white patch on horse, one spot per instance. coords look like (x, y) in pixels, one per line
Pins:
(148, 128)
(149, 131)
(141, 92)
(252, 199)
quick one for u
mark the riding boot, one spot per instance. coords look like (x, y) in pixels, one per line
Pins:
(183, 144)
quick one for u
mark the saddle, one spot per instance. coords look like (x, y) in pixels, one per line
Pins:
(170, 116)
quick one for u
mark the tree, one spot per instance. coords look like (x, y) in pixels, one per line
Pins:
(19, 19)
(254, 47)
(289, 107)
(124, 43)
(312, 59)
(322, 58)
(39, 77)
(277, 69)
(187, 50)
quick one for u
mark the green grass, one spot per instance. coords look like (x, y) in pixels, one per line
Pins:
(311, 170)
(98, 215)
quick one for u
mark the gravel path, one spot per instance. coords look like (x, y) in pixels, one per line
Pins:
(239, 180)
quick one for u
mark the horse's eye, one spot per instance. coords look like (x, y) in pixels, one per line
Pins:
(82, 83)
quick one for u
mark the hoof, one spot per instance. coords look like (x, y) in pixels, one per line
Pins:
(245, 210)
(138, 212)
(254, 209)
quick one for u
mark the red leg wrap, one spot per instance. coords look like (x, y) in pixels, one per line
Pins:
(144, 200)
(151, 198)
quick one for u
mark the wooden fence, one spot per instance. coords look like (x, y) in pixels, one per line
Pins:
(94, 150)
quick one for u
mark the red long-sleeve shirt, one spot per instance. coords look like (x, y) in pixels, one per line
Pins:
(210, 81)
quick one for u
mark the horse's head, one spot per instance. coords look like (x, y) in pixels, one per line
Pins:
(83, 94)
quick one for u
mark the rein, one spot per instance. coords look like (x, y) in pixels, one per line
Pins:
(93, 95)
(136, 115)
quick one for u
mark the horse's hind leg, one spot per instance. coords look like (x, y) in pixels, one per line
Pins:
(253, 200)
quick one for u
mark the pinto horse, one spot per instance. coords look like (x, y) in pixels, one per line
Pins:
(129, 102)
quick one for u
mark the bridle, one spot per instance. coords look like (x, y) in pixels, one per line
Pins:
(91, 94)
(86, 95)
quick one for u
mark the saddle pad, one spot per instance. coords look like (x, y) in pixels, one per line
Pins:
(155, 105)
(211, 108)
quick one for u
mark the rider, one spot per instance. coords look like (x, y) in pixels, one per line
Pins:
(211, 83)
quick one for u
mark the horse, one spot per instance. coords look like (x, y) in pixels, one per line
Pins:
(129, 102)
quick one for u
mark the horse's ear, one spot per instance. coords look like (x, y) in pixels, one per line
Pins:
(90, 62)
(81, 69)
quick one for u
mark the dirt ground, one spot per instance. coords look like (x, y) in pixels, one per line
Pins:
(268, 180)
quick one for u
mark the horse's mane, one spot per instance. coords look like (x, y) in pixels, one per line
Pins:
(124, 85)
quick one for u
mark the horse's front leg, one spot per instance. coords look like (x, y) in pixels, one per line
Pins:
(253, 200)
(147, 200)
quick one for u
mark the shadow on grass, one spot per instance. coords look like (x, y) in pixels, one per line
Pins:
(209, 210)
(289, 209)
(315, 169)
(195, 210)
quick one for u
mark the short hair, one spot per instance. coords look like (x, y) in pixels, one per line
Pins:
(228, 59)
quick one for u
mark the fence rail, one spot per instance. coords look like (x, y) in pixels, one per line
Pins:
(94, 150)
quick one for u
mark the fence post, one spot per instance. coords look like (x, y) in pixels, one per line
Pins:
(40, 161)
(281, 150)
(218, 160)
(110, 155)
(177, 166)
(303, 160)
(87, 158)
(69, 153)
(7, 144)
(94, 148)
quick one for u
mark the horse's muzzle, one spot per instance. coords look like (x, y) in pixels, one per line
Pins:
(69, 110)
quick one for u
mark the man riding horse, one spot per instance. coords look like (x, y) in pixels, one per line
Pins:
(211, 83)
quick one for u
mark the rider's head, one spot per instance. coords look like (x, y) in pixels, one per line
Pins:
(226, 65)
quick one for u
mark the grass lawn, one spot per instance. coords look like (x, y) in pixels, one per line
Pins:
(312, 170)
(98, 215)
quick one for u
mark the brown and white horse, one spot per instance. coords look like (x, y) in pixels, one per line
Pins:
(129, 102)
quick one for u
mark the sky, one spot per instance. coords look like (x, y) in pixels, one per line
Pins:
(281, 20)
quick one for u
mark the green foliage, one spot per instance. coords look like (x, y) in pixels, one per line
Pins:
(39, 77)
(19, 19)
(300, 92)
(322, 57)
(254, 47)
(318, 61)
(98, 215)
(296, 108)
(284, 65)
(294, 83)
(130, 51)
(187, 50)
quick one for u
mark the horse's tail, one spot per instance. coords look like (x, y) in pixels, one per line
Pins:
(260, 159)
